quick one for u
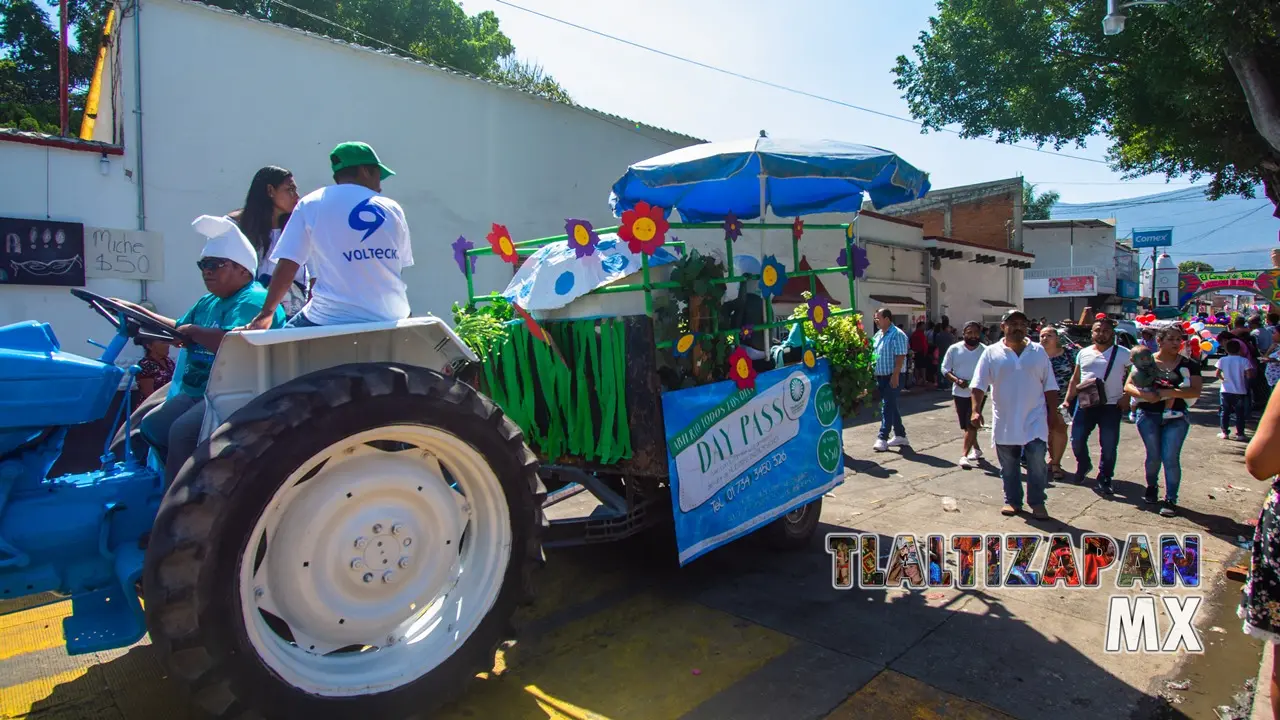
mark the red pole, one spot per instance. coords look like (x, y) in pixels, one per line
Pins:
(63, 69)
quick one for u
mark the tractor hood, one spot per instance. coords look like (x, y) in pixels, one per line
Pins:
(42, 387)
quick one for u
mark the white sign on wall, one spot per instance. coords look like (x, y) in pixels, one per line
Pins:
(123, 254)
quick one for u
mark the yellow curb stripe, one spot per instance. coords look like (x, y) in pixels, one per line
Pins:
(56, 611)
(30, 637)
(18, 700)
(894, 696)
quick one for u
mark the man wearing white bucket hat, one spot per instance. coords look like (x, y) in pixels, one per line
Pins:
(228, 265)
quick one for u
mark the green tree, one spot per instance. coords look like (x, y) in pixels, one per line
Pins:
(1037, 207)
(1194, 266)
(1181, 91)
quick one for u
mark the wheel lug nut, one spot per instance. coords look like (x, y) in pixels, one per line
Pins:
(357, 564)
(407, 542)
(388, 577)
(259, 592)
(397, 529)
(377, 529)
(404, 562)
(368, 577)
(361, 543)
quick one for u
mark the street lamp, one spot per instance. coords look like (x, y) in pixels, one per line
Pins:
(1113, 23)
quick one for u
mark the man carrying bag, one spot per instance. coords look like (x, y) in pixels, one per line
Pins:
(1098, 385)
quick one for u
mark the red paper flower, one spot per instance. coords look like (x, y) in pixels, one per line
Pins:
(741, 371)
(644, 228)
(500, 240)
(797, 229)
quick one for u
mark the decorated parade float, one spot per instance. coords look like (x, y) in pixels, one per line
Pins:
(657, 374)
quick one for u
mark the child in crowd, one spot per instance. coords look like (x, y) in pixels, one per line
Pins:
(1148, 376)
(1235, 371)
(157, 368)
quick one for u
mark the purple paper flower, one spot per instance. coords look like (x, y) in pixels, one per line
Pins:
(732, 226)
(582, 237)
(860, 262)
(819, 312)
(460, 248)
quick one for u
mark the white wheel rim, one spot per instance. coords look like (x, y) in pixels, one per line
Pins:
(375, 563)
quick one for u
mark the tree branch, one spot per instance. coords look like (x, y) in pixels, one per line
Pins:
(1263, 104)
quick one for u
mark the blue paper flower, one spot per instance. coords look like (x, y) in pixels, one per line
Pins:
(683, 345)
(773, 277)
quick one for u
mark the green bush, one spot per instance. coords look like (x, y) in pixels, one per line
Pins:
(484, 327)
(845, 344)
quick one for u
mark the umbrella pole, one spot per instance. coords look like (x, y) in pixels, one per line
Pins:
(768, 303)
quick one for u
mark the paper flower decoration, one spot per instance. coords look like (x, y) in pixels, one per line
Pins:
(746, 332)
(500, 240)
(582, 237)
(810, 357)
(848, 232)
(644, 228)
(732, 226)
(860, 262)
(460, 248)
(683, 345)
(741, 371)
(773, 277)
(797, 229)
(819, 311)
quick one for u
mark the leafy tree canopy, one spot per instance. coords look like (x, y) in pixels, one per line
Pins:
(1194, 266)
(1172, 91)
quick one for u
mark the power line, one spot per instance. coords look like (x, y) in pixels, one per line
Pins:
(1222, 227)
(779, 86)
(432, 61)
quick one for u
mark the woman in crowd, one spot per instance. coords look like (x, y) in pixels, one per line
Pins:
(157, 367)
(1163, 438)
(1260, 608)
(271, 198)
(1064, 365)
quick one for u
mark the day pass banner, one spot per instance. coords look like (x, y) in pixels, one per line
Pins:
(742, 458)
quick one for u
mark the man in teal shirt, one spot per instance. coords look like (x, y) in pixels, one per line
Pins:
(228, 265)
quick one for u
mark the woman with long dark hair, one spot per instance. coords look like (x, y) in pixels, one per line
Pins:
(271, 198)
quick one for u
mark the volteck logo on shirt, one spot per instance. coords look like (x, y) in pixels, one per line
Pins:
(358, 222)
(367, 217)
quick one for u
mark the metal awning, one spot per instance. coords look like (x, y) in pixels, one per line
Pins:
(897, 300)
(999, 303)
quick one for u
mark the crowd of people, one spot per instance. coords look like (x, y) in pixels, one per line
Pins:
(1049, 395)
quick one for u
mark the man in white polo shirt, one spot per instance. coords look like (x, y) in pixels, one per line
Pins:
(958, 366)
(1024, 401)
(355, 240)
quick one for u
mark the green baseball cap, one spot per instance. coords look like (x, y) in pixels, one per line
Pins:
(354, 154)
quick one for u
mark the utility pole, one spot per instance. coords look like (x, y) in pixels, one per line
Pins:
(64, 71)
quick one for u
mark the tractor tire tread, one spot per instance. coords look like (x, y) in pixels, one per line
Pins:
(202, 494)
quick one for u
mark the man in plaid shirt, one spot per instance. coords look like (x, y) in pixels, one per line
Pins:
(889, 348)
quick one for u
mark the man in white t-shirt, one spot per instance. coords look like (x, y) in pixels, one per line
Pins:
(1024, 401)
(354, 239)
(1092, 364)
(958, 366)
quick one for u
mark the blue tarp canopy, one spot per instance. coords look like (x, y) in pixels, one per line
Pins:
(800, 177)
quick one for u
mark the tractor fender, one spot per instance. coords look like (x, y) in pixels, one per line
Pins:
(249, 363)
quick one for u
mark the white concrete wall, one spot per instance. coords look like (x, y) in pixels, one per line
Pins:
(1064, 247)
(963, 286)
(224, 95)
(68, 185)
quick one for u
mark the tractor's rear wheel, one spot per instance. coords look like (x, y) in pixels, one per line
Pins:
(351, 543)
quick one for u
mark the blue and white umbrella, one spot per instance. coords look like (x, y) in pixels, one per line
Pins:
(791, 177)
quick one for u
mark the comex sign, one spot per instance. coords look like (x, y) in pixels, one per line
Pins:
(1162, 237)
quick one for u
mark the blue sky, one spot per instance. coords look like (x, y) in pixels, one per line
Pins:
(845, 50)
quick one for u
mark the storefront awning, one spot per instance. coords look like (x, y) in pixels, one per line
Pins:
(897, 300)
(999, 303)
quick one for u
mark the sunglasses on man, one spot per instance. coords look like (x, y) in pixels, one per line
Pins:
(211, 264)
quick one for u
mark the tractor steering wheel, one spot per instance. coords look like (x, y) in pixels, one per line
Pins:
(136, 322)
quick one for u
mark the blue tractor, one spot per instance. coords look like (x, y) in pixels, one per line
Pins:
(350, 538)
